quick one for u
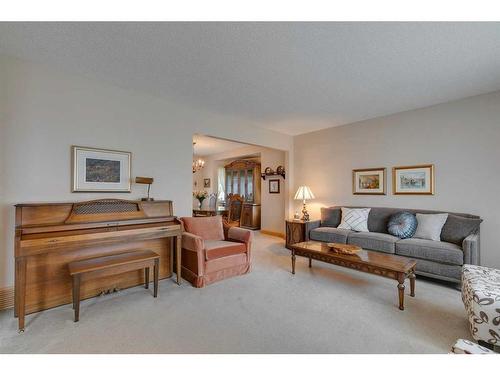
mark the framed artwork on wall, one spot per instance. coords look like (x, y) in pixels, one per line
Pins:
(417, 179)
(99, 170)
(206, 183)
(370, 181)
(274, 186)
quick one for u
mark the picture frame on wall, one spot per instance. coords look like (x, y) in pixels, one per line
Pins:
(413, 180)
(100, 171)
(369, 181)
(274, 186)
(206, 183)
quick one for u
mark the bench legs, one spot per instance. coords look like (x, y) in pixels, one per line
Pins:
(76, 296)
(77, 278)
(146, 277)
(156, 275)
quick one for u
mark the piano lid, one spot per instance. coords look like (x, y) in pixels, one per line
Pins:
(95, 211)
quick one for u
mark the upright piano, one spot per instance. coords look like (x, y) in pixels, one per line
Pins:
(50, 235)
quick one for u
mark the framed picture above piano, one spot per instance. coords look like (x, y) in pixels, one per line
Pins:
(100, 170)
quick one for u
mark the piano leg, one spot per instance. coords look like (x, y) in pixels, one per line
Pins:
(178, 245)
(20, 300)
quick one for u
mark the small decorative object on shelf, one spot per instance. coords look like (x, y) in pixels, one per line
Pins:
(201, 195)
(280, 171)
(304, 193)
(344, 248)
(147, 181)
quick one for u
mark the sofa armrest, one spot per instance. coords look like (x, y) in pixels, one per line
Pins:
(310, 225)
(192, 242)
(241, 235)
(470, 246)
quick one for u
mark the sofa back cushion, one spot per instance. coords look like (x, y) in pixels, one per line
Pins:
(379, 219)
(331, 216)
(208, 228)
(457, 228)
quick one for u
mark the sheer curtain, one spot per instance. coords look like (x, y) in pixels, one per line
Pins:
(221, 184)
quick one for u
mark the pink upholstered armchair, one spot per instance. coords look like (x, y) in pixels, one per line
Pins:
(211, 252)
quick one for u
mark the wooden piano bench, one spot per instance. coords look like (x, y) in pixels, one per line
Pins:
(110, 265)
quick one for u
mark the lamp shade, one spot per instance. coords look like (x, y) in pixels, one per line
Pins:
(303, 193)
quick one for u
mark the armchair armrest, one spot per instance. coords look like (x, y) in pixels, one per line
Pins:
(192, 242)
(240, 235)
(310, 225)
(470, 246)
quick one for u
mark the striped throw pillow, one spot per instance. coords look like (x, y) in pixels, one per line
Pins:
(355, 219)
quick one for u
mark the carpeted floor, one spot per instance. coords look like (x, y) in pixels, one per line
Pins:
(326, 309)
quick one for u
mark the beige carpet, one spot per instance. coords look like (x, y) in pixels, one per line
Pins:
(326, 309)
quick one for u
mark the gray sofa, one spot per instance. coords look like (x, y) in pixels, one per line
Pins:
(443, 259)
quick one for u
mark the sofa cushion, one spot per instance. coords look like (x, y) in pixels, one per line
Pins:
(221, 249)
(402, 225)
(373, 241)
(437, 251)
(457, 228)
(330, 216)
(328, 234)
(430, 225)
(355, 219)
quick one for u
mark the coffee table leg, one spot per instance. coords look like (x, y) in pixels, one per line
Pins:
(412, 283)
(401, 291)
(293, 262)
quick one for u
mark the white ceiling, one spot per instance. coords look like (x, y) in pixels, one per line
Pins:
(209, 146)
(290, 77)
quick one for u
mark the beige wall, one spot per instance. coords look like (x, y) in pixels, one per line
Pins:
(44, 112)
(461, 138)
(273, 205)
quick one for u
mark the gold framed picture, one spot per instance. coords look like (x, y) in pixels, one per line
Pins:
(370, 181)
(413, 180)
(99, 170)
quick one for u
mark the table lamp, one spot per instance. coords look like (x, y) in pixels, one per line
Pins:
(147, 181)
(304, 193)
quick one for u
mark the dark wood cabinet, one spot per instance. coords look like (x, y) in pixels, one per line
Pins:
(295, 232)
(250, 216)
(243, 178)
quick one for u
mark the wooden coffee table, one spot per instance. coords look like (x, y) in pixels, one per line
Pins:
(387, 265)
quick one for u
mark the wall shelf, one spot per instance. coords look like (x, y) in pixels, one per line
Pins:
(264, 175)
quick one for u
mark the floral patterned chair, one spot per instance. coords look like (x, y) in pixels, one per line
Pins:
(468, 347)
(481, 297)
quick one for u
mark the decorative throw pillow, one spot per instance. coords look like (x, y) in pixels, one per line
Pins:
(402, 224)
(457, 228)
(355, 219)
(429, 226)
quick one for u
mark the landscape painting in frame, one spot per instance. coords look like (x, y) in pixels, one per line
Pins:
(368, 181)
(417, 179)
(98, 170)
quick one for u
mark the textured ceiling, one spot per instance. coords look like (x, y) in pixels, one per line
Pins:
(290, 77)
(209, 145)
